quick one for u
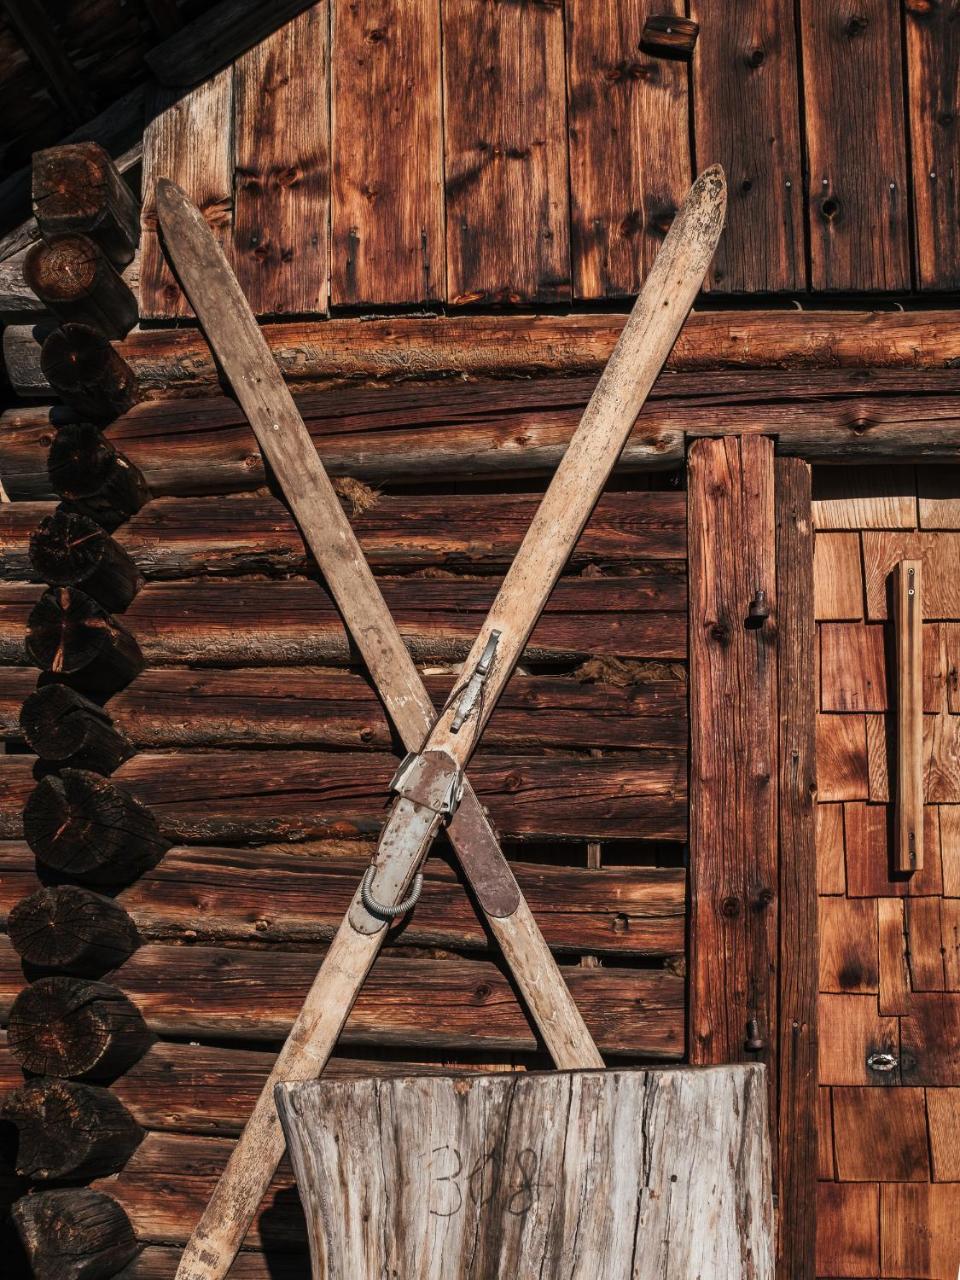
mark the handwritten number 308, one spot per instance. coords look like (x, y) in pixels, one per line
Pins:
(484, 1179)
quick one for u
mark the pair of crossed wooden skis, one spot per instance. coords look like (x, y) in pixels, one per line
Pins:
(431, 785)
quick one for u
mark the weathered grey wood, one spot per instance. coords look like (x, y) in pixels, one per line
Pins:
(622, 1175)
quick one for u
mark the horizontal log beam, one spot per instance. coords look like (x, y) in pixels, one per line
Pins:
(174, 538)
(405, 348)
(255, 796)
(184, 1169)
(160, 1262)
(211, 1089)
(230, 994)
(260, 896)
(608, 705)
(279, 707)
(248, 622)
(402, 432)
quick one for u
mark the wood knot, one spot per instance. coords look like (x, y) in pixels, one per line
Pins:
(764, 899)
(512, 782)
(482, 993)
(830, 208)
(856, 26)
(755, 58)
(631, 224)
(376, 34)
(730, 907)
(720, 632)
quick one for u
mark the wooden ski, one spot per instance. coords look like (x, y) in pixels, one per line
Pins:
(237, 341)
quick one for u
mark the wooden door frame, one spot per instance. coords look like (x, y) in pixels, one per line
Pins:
(753, 960)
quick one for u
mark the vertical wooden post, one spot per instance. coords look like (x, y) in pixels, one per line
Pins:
(733, 766)
(908, 624)
(798, 967)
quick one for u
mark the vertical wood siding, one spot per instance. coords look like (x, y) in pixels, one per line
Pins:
(532, 153)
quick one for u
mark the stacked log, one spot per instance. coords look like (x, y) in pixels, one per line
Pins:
(68, 1027)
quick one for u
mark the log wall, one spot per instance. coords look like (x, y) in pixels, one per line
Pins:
(197, 775)
(889, 1010)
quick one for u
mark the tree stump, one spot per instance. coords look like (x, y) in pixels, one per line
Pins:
(69, 1132)
(615, 1175)
(68, 729)
(92, 478)
(74, 1234)
(82, 826)
(73, 1028)
(69, 635)
(71, 930)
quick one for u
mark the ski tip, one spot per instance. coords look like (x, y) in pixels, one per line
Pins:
(705, 208)
(169, 196)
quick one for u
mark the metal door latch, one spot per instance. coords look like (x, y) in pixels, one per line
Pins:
(474, 686)
(882, 1062)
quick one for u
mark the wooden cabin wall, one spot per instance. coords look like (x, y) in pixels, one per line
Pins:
(535, 154)
(522, 154)
(259, 750)
(889, 944)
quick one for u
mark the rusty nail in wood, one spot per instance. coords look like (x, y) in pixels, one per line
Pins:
(759, 610)
(754, 1040)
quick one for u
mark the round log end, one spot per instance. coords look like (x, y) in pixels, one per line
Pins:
(82, 826)
(80, 363)
(70, 635)
(64, 727)
(72, 930)
(62, 270)
(92, 478)
(68, 549)
(68, 1131)
(74, 1028)
(74, 1234)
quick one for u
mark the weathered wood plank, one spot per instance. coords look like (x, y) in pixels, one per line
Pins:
(216, 37)
(858, 199)
(629, 144)
(797, 971)
(826, 1160)
(938, 493)
(387, 199)
(848, 1229)
(281, 179)
(745, 70)
(185, 537)
(249, 622)
(831, 877)
(869, 854)
(262, 896)
(175, 121)
(842, 770)
(207, 797)
(231, 994)
(734, 718)
(937, 553)
(880, 1135)
(851, 1029)
(895, 994)
(837, 577)
(622, 1130)
(918, 1229)
(908, 605)
(505, 163)
(929, 1034)
(933, 51)
(865, 497)
(852, 668)
(849, 959)
(950, 843)
(943, 1119)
